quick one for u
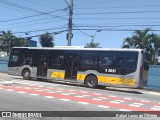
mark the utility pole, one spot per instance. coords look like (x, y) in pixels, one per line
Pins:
(69, 34)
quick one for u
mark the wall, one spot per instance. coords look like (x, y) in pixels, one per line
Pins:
(4, 64)
(154, 77)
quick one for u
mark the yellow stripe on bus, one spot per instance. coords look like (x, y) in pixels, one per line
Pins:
(57, 75)
(110, 80)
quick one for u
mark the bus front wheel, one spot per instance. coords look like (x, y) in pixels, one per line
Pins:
(91, 81)
(26, 74)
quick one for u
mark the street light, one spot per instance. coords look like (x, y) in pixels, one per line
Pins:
(93, 36)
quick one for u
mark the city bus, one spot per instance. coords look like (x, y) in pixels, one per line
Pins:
(90, 66)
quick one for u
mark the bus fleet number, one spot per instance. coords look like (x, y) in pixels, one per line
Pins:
(110, 70)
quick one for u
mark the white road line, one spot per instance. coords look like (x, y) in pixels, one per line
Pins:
(154, 108)
(97, 94)
(144, 101)
(71, 90)
(84, 103)
(124, 110)
(65, 94)
(52, 92)
(97, 99)
(117, 101)
(34, 94)
(128, 98)
(39, 90)
(103, 106)
(10, 90)
(136, 104)
(112, 96)
(65, 100)
(49, 96)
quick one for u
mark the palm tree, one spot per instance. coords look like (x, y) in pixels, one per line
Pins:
(7, 39)
(92, 44)
(46, 40)
(128, 43)
(143, 39)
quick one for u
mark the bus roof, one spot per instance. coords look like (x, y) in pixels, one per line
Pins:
(72, 48)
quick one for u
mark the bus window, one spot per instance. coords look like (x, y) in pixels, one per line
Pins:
(26, 59)
(89, 59)
(106, 60)
(57, 60)
(127, 60)
(14, 58)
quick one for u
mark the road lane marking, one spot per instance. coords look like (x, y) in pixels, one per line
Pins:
(112, 96)
(97, 99)
(34, 94)
(49, 96)
(84, 103)
(124, 110)
(144, 101)
(103, 106)
(136, 104)
(128, 98)
(155, 108)
(9, 90)
(65, 100)
(117, 101)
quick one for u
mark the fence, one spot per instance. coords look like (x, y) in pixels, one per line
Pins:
(153, 77)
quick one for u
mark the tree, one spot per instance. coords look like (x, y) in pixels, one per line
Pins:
(8, 40)
(143, 39)
(92, 44)
(46, 40)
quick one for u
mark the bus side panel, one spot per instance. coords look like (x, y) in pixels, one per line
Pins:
(56, 74)
(34, 72)
(14, 71)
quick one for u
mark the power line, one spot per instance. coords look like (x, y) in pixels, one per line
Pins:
(32, 31)
(34, 16)
(28, 9)
(101, 13)
(115, 29)
(39, 4)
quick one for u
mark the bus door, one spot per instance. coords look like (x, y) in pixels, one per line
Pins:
(71, 66)
(42, 66)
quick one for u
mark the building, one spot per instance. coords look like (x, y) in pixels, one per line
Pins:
(32, 43)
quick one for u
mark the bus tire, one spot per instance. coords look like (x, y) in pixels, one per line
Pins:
(91, 81)
(26, 74)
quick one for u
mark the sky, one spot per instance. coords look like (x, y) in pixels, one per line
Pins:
(109, 21)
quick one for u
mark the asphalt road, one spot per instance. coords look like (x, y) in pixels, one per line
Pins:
(32, 95)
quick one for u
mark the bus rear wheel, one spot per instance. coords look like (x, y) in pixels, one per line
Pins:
(26, 74)
(91, 81)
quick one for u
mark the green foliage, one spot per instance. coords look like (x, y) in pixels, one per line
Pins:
(8, 40)
(46, 40)
(144, 39)
(92, 44)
